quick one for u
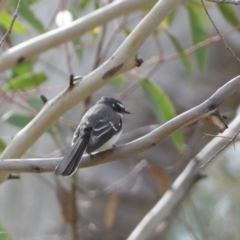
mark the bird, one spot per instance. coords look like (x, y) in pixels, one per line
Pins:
(98, 130)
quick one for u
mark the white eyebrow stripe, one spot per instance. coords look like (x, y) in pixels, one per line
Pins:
(121, 105)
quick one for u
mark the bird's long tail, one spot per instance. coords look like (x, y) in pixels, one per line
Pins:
(70, 162)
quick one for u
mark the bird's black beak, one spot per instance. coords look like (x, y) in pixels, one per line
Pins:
(125, 111)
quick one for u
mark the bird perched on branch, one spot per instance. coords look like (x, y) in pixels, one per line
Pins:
(98, 131)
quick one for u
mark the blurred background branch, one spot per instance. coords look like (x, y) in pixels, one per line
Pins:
(166, 205)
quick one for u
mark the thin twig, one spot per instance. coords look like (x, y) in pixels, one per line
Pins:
(12, 23)
(224, 147)
(227, 46)
(236, 2)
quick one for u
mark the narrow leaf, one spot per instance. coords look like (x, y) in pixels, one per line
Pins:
(161, 107)
(4, 235)
(127, 31)
(6, 19)
(16, 119)
(169, 19)
(111, 211)
(83, 3)
(2, 147)
(20, 121)
(228, 13)
(198, 35)
(25, 82)
(120, 81)
(96, 5)
(31, 18)
(184, 57)
(36, 102)
(22, 68)
(160, 176)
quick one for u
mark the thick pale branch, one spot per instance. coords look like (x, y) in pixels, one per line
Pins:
(51, 39)
(135, 147)
(121, 61)
(164, 208)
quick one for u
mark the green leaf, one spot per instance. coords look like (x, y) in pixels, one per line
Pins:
(4, 235)
(83, 3)
(22, 68)
(96, 5)
(228, 13)
(161, 107)
(31, 18)
(16, 119)
(169, 19)
(2, 147)
(6, 19)
(20, 121)
(120, 81)
(198, 35)
(184, 57)
(25, 82)
(29, 2)
(36, 102)
(127, 31)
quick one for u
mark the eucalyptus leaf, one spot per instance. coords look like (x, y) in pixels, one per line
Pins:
(228, 13)
(83, 3)
(170, 18)
(2, 147)
(22, 68)
(162, 107)
(6, 20)
(183, 56)
(25, 82)
(198, 35)
(120, 81)
(16, 119)
(31, 18)
(4, 235)
(20, 121)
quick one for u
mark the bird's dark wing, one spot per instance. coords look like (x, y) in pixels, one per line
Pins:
(102, 132)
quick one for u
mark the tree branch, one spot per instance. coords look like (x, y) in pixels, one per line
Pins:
(122, 60)
(166, 205)
(51, 39)
(137, 146)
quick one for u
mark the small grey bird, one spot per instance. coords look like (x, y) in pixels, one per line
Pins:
(98, 131)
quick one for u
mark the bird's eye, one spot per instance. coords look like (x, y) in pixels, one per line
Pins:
(117, 108)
